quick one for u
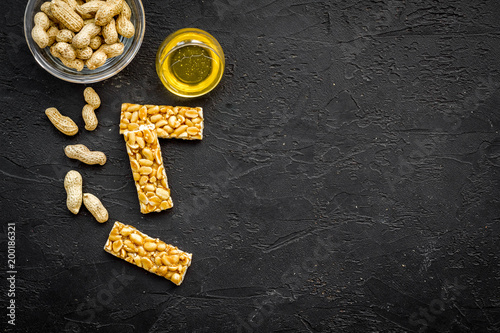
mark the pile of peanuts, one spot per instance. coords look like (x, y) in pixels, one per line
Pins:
(83, 33)
(73, 182)
(154, 255)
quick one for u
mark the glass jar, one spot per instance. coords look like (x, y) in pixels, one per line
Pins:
(190, 62)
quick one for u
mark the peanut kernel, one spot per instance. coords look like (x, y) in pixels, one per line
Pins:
(150, 246)
(136, 239)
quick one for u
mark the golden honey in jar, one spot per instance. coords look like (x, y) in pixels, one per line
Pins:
(190, 62)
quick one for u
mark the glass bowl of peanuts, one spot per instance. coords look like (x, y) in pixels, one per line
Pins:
(84, 41)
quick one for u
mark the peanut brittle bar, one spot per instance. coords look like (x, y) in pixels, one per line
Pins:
(146, 162)
(170, 121)
(152, 254)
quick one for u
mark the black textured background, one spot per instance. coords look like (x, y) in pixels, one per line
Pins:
(348, 180)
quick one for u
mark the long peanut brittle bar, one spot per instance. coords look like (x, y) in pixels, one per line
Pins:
(146, 162)
(170, 121)
(152, 254)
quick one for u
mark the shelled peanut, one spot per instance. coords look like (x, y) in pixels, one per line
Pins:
(83, 34)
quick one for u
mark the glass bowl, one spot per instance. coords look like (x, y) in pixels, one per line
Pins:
(112, 66)
(190, 50)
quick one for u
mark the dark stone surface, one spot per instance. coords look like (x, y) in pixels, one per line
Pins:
(348, 180)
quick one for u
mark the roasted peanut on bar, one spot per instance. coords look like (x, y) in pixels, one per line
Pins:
(128, 243)
(144, 152)
(141, 126)
(169, 121)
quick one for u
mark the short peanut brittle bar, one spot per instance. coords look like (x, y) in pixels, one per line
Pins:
(152, 254)
(170, 121)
